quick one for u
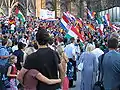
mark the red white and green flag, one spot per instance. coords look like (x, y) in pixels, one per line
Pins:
(73, 32)
(20, 15)
(101, 25)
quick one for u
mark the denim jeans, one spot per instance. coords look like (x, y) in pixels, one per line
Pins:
(1, 83)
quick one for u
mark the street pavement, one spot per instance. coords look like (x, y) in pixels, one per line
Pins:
(77, 82)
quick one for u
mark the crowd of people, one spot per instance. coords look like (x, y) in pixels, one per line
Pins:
(35, 55)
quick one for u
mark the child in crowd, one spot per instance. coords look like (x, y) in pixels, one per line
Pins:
(12, 73)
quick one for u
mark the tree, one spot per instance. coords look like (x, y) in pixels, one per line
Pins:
(80, 6)
(95, 5)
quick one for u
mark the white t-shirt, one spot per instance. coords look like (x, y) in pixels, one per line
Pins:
(70, 50)
(97, 52)
(6, 23)
(15, 48)
(12, 27)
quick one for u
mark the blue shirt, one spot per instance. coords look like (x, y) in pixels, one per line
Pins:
(70, 50)
(3, 52)
(111, 70)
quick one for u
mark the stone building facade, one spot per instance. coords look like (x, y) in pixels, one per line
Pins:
(32, 7)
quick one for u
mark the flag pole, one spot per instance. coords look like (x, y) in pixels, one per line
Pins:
(9, 8)
(27, 7)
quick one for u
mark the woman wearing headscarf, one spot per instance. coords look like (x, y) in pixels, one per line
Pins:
(89, 71)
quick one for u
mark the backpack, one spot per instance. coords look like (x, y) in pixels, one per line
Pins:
(5, 79)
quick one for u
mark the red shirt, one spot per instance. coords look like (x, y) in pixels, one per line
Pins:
(13, 71)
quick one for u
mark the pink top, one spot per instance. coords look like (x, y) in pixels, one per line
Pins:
(30, 81)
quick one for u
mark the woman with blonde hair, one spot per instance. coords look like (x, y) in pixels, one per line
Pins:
(12, 73)
(88, 73)
(64, 61)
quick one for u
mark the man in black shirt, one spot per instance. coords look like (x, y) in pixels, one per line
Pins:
(45, 60)
(20, 55)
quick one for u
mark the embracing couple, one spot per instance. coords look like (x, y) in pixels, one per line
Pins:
(40, 71)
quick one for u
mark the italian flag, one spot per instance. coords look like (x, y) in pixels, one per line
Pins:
(20, 15)
(71, 34)
(101, 25)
